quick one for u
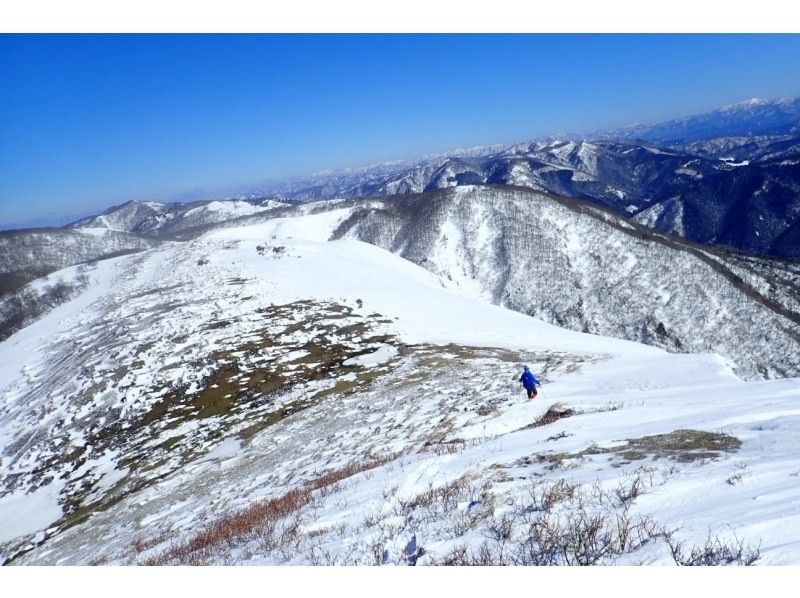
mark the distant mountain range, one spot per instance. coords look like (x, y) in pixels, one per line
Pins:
(152, 218)
(750, 118)
(727, 177)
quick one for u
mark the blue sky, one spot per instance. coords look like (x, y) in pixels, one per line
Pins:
(90, 121)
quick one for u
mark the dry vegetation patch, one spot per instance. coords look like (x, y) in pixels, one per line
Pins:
(264, 520)
(554, 413)
(684, 446)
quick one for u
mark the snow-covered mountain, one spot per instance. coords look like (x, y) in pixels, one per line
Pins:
(738, 149)
(559, 260)
(727, 177)
(263, 395)
(30, 260)
(740, 192)
(30, 257)
(158, 219)
(756, 116)
(581, 267)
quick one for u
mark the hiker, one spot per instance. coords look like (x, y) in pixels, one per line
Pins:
(530, 382)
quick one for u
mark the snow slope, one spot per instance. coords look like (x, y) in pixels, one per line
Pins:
(586, 269)
(193, 379)
(427, 312)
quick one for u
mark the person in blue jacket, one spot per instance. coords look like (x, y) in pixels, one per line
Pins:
(530, 382)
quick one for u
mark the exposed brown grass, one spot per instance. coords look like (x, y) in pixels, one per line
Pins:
(553, 414)
(260, 516)
(143, 544)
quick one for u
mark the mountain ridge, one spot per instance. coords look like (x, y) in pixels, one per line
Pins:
(419, 227)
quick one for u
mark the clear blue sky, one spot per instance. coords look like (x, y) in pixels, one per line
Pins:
(90, 121)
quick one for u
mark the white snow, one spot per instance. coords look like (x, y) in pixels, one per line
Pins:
(618, 192)
(588, 156)
(273, 203)
(226, 449)
(227, 209)
(94, 231)
(657, 151)
(64, 276)
(30, 342)
(691, 172)
(581, 177)
(563, 151)
(731, 161)
(316, 227)
(377, 357)
(22, 513)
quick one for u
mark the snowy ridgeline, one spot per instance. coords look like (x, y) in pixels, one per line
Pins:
(588, 270)
(153, 218)
(262, 395)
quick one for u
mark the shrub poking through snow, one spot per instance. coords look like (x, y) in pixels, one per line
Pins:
(559, 523)
(556, 412)
(714, 552)
(268, 521)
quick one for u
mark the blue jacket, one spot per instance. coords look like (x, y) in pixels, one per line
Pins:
(529, 380)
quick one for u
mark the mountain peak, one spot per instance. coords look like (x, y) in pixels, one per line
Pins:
(752, 102)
